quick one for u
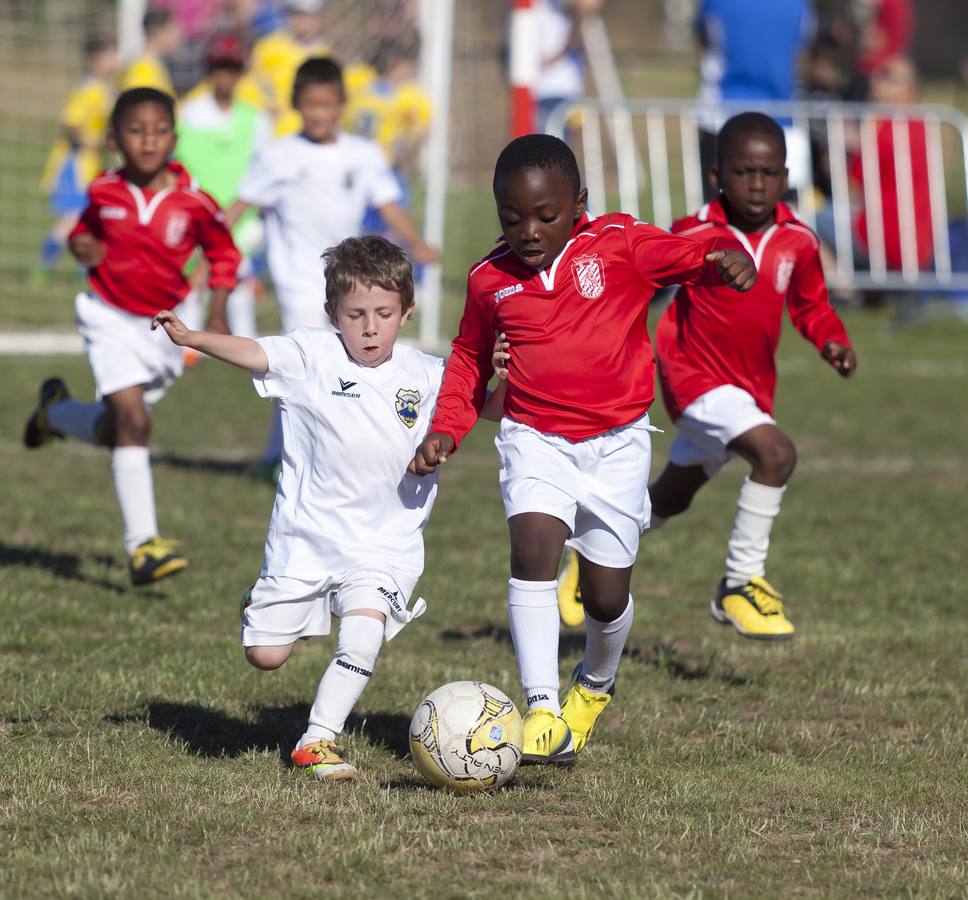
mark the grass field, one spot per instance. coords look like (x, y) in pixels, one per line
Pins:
(142, 756)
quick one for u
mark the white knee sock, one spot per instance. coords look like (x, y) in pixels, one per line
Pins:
(604, 643)
(533, 617)
(241, 309)
(357, 648)
(272, 452)
(758, 506)
(76, 419)
(131, 468)
(192, 311)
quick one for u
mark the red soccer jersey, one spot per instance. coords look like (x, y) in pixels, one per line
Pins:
(711, 336)
(581, 359)
(149, 238)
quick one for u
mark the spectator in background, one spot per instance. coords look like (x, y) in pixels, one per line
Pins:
(885, 31)
(750, 53)
(218, 134)
(276, 57)
(77, 155)
(391, 109)
(163, 36)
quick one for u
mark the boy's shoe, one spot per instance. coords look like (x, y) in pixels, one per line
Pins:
(547, 738)
(190, 357)
(38, 432)
(320, 758)
(582, 708)
(569, 596)
(156, 559)
(754, 609)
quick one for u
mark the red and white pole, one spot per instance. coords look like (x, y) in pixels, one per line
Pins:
(525, 65)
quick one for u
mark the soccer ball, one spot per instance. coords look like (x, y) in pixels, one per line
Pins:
(466, 737)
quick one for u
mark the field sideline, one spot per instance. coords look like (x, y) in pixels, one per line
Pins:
(142, 756)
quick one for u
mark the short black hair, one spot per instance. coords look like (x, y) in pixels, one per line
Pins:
(155, 19)
(317, 70)
(742, 126)
(538, 151)
(134, 97)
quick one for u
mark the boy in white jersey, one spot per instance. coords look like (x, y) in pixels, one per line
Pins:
(346, 535)
(314, 188)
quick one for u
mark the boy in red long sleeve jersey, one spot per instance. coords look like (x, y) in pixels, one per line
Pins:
(717, 370)
(571, 294)
(141, 224)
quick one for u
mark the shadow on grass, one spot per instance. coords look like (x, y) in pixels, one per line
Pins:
(215, 734)
(64, 565)
(235, 467)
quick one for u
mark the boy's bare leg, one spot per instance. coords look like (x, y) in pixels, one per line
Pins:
(672, 492)
(770, 452)
(537, 540)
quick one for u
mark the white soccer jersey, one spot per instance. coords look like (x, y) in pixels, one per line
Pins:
(314, 196)
(344, 500)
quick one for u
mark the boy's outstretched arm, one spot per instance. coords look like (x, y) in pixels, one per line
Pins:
(400, 221)
(238, 351)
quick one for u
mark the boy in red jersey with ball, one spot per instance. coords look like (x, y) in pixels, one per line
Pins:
(717, 369)
(571, 294)
(141, 224)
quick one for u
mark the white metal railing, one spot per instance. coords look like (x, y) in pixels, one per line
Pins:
(652, 169)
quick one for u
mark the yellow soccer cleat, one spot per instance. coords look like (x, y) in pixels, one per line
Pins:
(156, 559)
(569, 596)
(754, 609)
(547, 739)
(322, 760)
(581, 710)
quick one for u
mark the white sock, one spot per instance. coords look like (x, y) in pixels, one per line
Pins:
(241, 309)
(192, 311)
(758, 506)
(272, 452)
(533, 617)
(357, 648)
(131, 468)
(76, 419)
(604, 643)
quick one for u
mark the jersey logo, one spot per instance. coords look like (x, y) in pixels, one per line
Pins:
(408, 406)
(344, 390)
(589, 275)
(784, 272)
(114, 212)
(507, 292)
(175, 229)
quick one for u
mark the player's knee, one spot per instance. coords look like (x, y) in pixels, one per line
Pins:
(267, 658)
(133, 426)
(532, 562)
(779, 459)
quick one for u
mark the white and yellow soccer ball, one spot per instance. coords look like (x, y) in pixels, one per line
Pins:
(466, 736)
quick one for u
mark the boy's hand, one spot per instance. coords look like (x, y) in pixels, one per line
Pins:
(500, 357)
(432, 452)
(735, 267)
(88, 250)
(841, 357)
(425, 253)
(175, 327)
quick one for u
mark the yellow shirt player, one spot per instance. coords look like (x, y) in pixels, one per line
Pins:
(162, 37)
(276, 57)
(77, 155)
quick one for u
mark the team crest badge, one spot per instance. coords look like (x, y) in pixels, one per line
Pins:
(784, 272)
(589, 274)
(175, 229)
(408, 406)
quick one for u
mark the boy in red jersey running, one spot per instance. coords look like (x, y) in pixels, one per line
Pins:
(571, 294)
(141, 224)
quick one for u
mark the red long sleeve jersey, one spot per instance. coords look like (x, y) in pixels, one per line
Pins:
(711, 336)
(581, 359)
(149, 238)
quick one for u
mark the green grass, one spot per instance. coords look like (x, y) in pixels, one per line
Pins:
(143, 756)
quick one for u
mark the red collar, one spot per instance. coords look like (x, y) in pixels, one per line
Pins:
(714, 212)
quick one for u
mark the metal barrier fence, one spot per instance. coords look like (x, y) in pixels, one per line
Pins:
(892, 195)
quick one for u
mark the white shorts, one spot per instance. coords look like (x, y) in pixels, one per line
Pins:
(598, 487)
(123, 350)
(710, 424)
(284, 610)
(303, 307)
